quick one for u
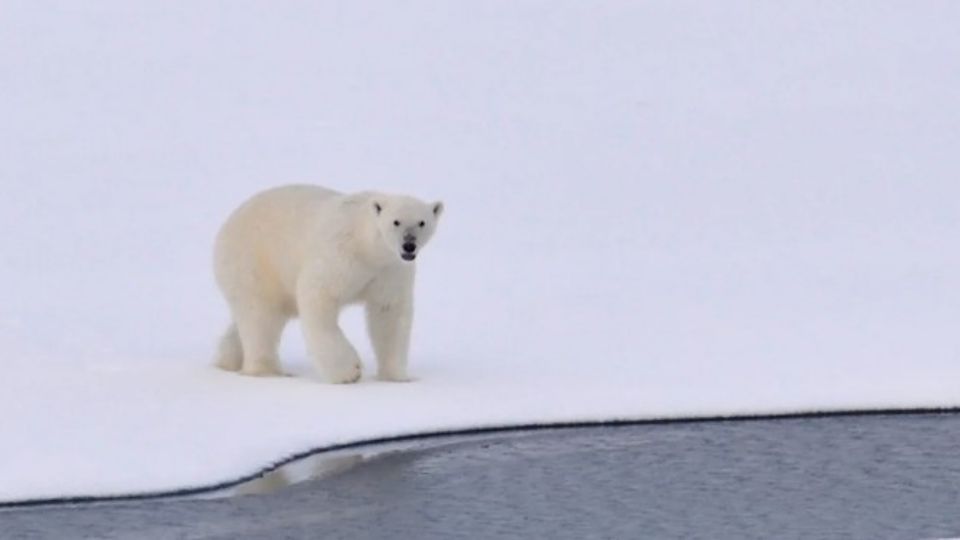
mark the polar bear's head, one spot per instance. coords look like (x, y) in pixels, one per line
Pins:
(405, 224)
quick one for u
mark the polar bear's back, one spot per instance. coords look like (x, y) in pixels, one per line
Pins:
(262, 245)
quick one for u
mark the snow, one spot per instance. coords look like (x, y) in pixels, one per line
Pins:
(653, 209)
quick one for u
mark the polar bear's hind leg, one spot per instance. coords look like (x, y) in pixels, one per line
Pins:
(230, 352)
(259, 330)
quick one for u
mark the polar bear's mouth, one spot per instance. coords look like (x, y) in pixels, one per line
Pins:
(408, 256)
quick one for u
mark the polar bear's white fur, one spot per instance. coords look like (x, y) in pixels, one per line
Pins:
(309, 251)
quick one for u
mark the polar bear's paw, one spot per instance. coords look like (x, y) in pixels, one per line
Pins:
(230, 353)
(394, 376)
(261, 369)
(229, 362)
(343, 371)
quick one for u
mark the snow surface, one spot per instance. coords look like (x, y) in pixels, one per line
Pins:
(653, 209)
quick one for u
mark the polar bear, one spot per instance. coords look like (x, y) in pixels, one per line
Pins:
(308, 251)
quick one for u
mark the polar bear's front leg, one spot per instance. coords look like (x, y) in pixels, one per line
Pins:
(333, 355)
(389, 324)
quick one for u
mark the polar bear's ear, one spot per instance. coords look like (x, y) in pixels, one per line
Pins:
(377, 207)
(437, 208)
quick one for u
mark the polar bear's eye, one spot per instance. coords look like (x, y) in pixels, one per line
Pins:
(396, 223)
(422, 224)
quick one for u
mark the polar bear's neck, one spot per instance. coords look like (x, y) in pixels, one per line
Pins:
(368, 247)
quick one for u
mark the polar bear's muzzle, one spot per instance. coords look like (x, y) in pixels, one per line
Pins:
(409, 251)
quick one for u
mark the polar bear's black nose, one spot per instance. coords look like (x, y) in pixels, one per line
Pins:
(409, 247)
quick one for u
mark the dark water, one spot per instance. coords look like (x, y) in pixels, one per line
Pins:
(841, 477)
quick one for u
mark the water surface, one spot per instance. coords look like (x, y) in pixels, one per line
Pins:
(839, 477)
